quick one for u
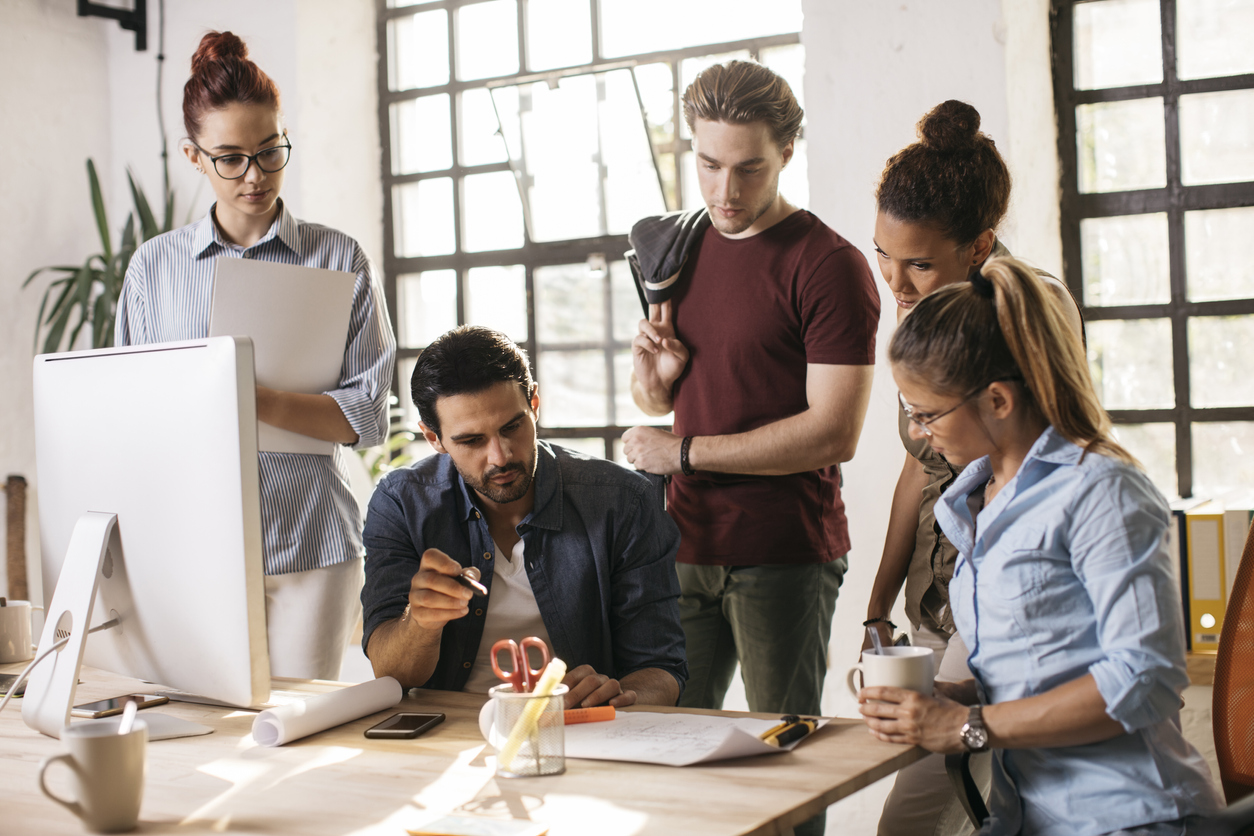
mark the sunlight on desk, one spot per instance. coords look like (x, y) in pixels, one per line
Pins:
(257, 773)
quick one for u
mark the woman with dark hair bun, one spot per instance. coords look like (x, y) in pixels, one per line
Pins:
(940, 202)
(1063, 588)
(311, 524)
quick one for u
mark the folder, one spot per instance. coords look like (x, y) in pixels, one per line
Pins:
(1178, 548)
(1207, 592)
(1238, 513)
(297, 318)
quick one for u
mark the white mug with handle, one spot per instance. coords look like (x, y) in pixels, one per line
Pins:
(907, 667)
(15, 631)
(107, 773)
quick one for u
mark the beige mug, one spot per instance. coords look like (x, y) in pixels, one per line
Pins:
(15, 631)
(107, 773)
(899, 667)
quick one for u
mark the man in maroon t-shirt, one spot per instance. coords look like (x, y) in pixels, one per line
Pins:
(764, 348)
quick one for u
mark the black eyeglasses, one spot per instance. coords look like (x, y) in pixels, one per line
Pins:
(235, 166)
(924, 419)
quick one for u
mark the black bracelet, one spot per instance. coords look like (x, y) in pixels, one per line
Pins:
(871, 621)
(684, 466)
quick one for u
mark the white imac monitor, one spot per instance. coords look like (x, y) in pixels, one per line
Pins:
(149, 513)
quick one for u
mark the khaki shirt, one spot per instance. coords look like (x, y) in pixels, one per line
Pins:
(932, 564)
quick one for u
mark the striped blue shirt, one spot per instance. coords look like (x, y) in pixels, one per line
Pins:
(309, 517)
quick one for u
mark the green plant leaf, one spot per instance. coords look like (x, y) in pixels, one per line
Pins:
(97, 203)
(147, 223)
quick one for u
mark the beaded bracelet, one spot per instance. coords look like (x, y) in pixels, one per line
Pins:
(871, 621)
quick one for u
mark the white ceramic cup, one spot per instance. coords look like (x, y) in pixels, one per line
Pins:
(898, 667)
(15, 634)
(107, 773)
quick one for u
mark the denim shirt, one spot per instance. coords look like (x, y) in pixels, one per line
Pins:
(1068, 574)
(599, 551)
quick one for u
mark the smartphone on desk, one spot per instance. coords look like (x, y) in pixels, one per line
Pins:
(404, 725)
(115, 705)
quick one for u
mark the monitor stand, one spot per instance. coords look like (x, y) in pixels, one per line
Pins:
(94, 549)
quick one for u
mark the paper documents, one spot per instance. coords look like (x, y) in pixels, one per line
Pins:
(285, 723)
(297, 318)
(671, 739)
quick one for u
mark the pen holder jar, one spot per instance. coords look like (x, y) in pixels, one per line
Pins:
(528, 732)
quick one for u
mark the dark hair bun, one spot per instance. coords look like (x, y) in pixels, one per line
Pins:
(216, 47)
(950, 126)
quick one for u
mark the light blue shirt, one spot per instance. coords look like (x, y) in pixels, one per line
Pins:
(309, 517)
(1066, 572)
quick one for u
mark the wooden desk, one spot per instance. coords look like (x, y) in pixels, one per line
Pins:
(338, 782)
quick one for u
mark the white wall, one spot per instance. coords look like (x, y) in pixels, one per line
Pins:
(48, 55)
(74, 87)
(872, 71)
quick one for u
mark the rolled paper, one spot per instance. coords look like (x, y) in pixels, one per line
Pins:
(526, 724)
(285, 723)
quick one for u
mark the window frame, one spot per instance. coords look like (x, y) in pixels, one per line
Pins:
(531, 254)
(1174, 200)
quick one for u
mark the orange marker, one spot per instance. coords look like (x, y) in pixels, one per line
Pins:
(589, 715)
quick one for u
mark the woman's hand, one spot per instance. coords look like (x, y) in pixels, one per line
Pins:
(896, 715)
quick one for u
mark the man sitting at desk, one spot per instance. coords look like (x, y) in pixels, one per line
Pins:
(575, 550)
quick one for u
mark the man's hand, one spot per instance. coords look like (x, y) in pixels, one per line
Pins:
(435, 598)
(652, 450)
(897, 715)
(658, 358)
(589, 688)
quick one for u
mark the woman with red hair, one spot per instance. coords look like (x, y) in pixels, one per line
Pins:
(311, 524)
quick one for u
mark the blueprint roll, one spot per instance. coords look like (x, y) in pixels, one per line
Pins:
(285, 723)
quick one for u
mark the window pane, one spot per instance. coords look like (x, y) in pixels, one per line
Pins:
(1219, 368)
(1217, 261)
(630, 27)
(626, 302)
(418, 47)
(594, 447)
(1118, 43)
(1223, 457)
(1121, 145)
(487, 39)
(1217, 137)
(481, 141)
(1130, 360)
(496, 298)
(423, 218)
(421, 135)
(428, 303)
(626, 413)
(1213, 37)
(1125, 260)
(1155, 446)
(559, 34)
(656, 85)
(583, 150)
(493, 218)
(572, 388)
(409, 412)
(790, 62)
(570, 304)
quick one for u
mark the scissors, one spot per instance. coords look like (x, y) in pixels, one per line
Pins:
(521, 675)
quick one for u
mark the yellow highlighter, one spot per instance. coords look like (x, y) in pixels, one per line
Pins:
(526, 725)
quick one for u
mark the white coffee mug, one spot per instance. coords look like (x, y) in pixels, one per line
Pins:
(15, 643)
(107, 773)
(898, 667)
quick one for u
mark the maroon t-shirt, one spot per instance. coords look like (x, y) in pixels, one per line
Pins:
(753, 313)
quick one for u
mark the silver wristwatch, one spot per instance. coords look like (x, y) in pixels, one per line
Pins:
(974, 734)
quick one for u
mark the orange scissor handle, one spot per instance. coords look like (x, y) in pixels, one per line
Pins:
(521, 675)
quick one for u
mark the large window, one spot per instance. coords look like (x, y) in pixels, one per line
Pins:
(1156, 135)
(522, 139)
